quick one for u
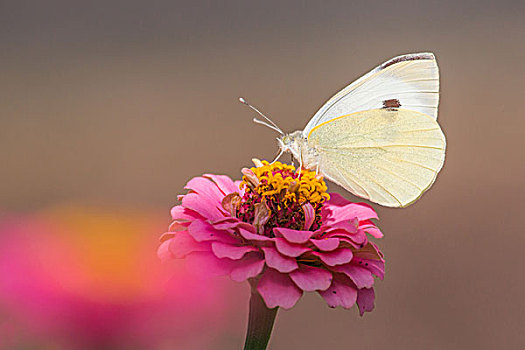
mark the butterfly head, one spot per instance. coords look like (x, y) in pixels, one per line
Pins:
(284, 142)
(290, 143)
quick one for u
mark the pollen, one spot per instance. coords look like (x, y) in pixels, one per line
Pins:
(284, 193)
(282, 180)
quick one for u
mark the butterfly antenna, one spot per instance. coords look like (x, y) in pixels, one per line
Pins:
(271, 124)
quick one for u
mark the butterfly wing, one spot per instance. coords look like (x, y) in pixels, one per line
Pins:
(389, 156)
(408, 82)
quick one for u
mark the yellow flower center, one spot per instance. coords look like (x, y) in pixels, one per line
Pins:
(276, 195)
(281, 182)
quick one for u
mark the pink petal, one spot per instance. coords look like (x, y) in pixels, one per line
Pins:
(341, 293)
(368, 251)
(293, 236)
(365, 300)
(252, 236)
(202, 231)
(277, 289)
(183, 244)
(224, 183)
(249, 266)
(326, 244)
(207, 264)
(163, 252)
(377, 267)
(374, 232)
(347, 226)
(179, 225)
(362, 211)
(338, 208)
(309, 215)
(277, 261)
(247, 231)
(310, 278)
(225, 223)
(369, 227)
(337, 200)
(165, 236)
(336, 257)
(204, 206)
(233, 223)
(178, 212)
(359, 275)
(289, 249)
(358, 237)
(234, 252)
(205, 188)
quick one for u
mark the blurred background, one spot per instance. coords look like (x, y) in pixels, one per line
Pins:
(107, 108)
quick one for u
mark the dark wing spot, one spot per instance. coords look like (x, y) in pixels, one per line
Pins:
(407, 58)
(392, 103)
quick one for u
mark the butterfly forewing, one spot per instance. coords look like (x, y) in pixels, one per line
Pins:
(408, 82)
(389, 156)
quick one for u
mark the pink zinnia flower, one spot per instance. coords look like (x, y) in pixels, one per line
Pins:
(280, 230)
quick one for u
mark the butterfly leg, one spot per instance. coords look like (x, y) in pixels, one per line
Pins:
(300, 164)
(278, 156)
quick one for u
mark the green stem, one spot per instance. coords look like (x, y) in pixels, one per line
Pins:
(260, 323)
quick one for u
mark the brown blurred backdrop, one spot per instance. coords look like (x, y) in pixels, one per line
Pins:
(118, 103)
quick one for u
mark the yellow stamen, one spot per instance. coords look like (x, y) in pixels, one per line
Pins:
(281, 179)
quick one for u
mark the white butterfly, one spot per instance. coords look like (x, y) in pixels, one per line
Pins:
(378, 137)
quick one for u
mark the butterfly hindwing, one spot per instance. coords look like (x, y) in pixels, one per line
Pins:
(389, 156)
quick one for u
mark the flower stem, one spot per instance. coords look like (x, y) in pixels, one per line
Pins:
(260, 323)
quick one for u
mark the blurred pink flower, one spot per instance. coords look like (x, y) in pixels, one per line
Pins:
(84, 278)
(278, 230)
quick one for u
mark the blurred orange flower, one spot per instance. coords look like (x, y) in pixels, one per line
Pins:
(86, 278)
